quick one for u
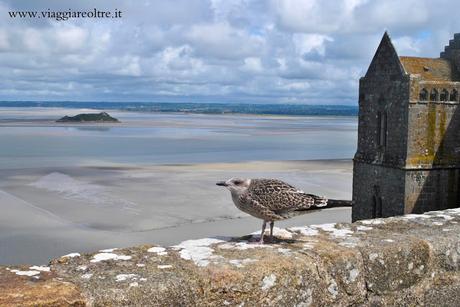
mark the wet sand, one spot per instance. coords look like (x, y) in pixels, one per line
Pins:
(49, 212)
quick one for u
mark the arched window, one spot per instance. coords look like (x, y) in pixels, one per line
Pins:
(377, 208)
(453, 95)
(444, 96)
(382, 128)
(423, 95)
(434, 95)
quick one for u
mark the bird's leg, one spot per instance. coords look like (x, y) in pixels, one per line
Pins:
(263, 232)
(272, 223)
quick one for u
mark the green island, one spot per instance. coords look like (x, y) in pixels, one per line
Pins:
(88, 117)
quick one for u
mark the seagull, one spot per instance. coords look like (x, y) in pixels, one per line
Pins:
(272, 200)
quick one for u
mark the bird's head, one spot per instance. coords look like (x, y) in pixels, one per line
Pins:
(235, 185)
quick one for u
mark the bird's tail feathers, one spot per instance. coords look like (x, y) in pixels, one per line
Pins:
(319, 203)
(322, 202)
(334, 203)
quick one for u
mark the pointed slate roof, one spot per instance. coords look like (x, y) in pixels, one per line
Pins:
(386, 54)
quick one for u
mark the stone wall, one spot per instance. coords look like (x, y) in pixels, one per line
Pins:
(422, 135)
(378, 191)
(384, 91)
(433, 157)
(427, 187)
(433, 135)
(412, 260)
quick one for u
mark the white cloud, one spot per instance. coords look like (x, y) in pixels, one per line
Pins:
(71, 37)
(406, 44)
(315, 16)
(177, 62)
(4, 42)
(223, 41)
(299, 51)
(34, 40)
(305, 43)
(396, 13)
(129, 66)
(252, 64)
(224, 8)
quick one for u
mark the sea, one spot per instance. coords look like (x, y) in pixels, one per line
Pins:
(67, 187)
(29, 136)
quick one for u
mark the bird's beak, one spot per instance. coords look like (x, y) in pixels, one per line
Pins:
(221, 183)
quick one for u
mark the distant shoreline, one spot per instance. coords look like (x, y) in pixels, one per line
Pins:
(197, 108)
(51, 122)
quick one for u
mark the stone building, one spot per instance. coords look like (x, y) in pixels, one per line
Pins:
(408, 155)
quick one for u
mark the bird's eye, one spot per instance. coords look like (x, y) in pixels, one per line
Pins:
(237, 182)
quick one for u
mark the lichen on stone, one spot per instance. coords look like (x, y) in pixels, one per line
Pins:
(198, 250)
(164, 266)
(160, 251)
(24, 273)
(123, 277)
(71, 255)
(109, 256)
(268, 282)
(331, 228)
(241, 262)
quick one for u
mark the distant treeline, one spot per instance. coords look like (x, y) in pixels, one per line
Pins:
(203, 108)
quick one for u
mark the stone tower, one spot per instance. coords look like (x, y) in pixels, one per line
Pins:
(408, 156)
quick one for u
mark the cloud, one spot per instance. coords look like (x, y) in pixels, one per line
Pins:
(220, 40)
(306, 43)
(4, 41)
(277, 51)
(316, 16)
(71, 38)
(252, 65)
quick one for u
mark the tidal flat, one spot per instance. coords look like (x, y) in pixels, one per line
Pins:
(151, 179)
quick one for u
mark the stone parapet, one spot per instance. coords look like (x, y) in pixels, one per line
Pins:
(400, 261)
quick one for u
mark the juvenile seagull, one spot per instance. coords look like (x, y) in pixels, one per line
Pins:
(273, 200)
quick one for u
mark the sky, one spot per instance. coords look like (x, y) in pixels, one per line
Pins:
(243, 51)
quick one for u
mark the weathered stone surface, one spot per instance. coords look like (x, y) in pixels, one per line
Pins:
(36, 288)
(400, 261)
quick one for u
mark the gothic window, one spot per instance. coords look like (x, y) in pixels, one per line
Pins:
(434, 95)
(382, 128)
(453, 95)
(444, 96)
(377, 209)
(423, 95)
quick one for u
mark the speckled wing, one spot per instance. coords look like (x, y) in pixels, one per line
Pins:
(253, 207)
(283, 198)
